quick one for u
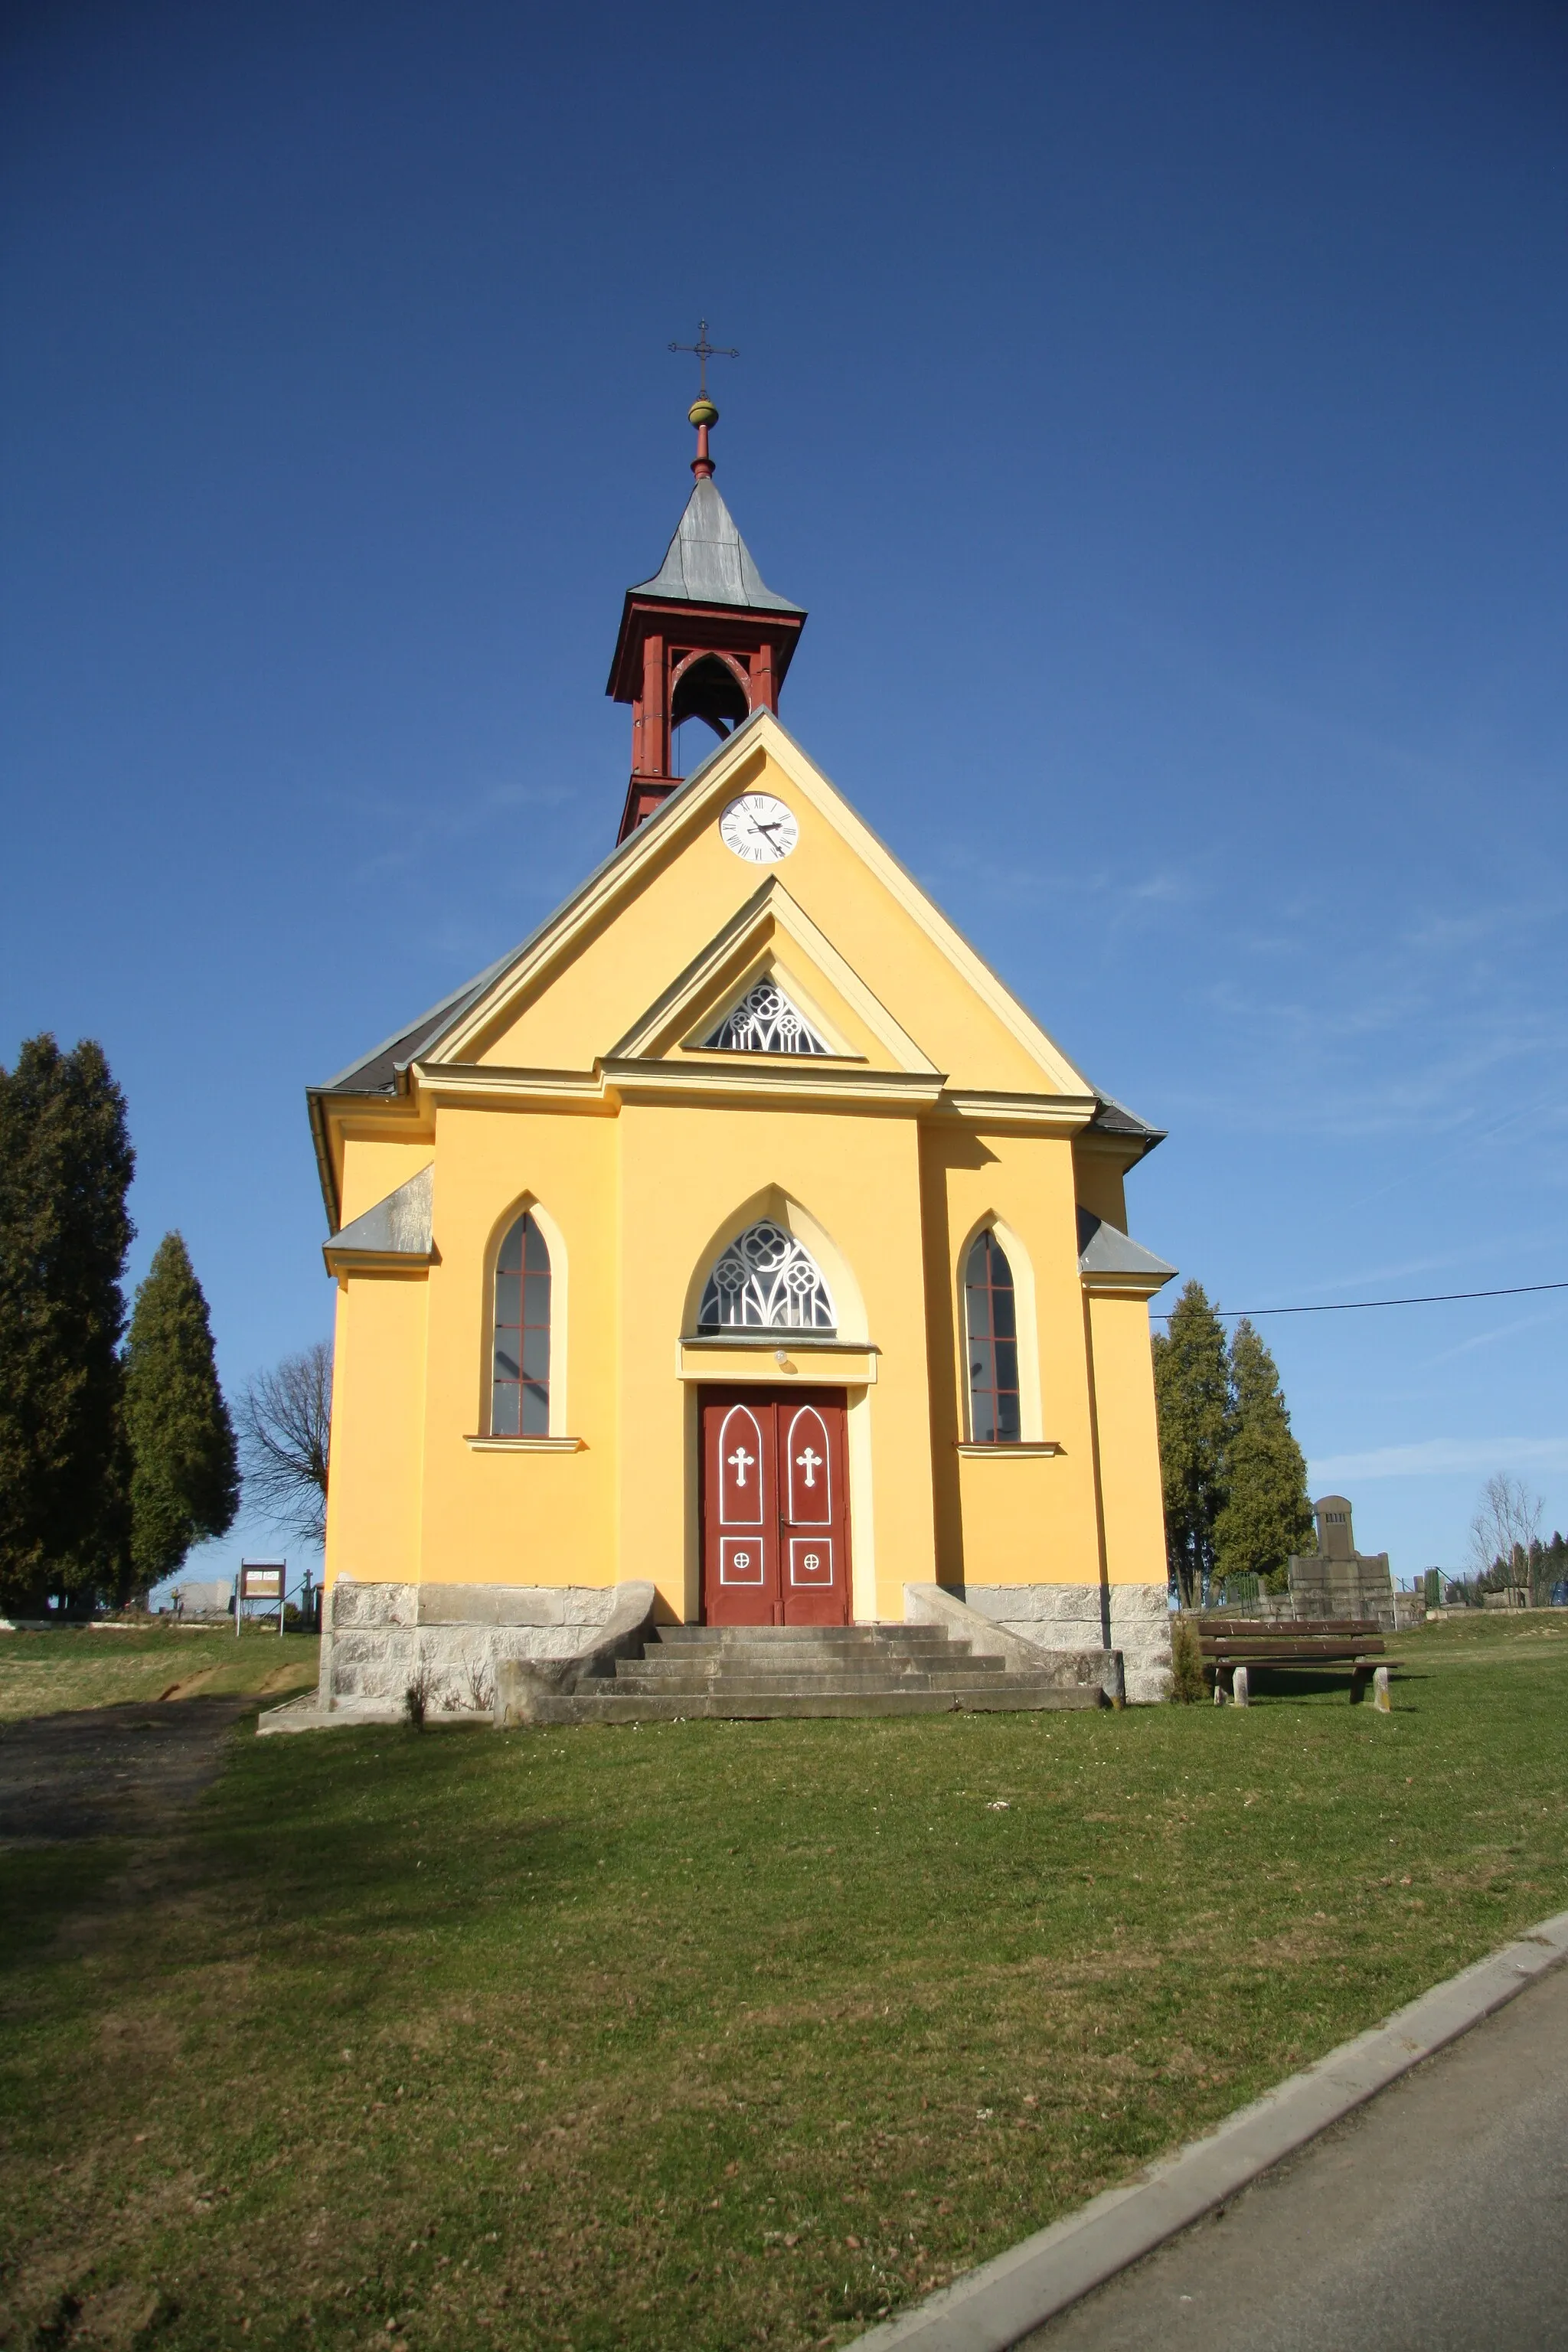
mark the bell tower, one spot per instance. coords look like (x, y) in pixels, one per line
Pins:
(704, 638)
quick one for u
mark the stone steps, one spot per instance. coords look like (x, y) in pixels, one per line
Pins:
(754, 1671)
(713, 1636)
(757, 1683)
(1011, 1694)
(808, 1657)
(794, 1641)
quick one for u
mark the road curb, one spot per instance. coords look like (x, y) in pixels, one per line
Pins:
(994, 2307)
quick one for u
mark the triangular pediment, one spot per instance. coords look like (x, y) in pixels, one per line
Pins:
(771, 939)
(633, 964)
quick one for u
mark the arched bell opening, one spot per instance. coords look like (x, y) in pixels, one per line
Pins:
(709, 696)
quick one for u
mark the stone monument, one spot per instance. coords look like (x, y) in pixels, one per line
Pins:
(1337, 1580)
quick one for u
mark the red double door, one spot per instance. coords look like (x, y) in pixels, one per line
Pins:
(776, 1507)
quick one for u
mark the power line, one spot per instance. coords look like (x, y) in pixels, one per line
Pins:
(1357, 1306)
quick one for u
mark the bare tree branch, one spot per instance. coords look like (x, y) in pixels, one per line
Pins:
(284, 1422)
(1506, 1524)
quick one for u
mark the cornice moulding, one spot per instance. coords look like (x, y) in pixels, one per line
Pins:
(518, 1088)
(352, 1261)
(1124, 1286)
(794, 1082)
(747, 1077)
(1057, 1114)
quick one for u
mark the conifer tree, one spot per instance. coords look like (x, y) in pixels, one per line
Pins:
(1266, 1516)
(66, 1164)
(1191, 1392)
(185, 1476)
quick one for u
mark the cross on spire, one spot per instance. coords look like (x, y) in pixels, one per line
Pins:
(703, 413)
(705, 352)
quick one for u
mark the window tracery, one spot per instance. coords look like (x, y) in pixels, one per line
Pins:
(766, 1021)
(766, 1281)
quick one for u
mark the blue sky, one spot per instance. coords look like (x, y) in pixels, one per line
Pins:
(1159, 408)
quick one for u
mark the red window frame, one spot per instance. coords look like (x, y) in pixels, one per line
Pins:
(520, 1352)
(991, 1344)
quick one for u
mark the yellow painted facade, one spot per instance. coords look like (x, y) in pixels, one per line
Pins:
(574, 1082)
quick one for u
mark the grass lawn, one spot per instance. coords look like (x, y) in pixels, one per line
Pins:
(41, 1672)
(718, 2034)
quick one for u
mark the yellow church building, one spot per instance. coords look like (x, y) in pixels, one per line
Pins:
(737, 1261)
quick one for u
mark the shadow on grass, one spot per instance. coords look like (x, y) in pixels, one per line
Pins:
(1327, 1683)
(400, 1825)
(42, 1886)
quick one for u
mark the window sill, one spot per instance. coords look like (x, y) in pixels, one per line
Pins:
(525, 1444)
(1013, 1446)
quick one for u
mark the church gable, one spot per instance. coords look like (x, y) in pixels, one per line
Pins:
(864, 943)
(771, 945)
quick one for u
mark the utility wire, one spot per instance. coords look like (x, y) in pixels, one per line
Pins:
(1356, 1306)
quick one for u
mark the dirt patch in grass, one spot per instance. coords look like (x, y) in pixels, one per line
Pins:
(110, 1772)
(716, 2034)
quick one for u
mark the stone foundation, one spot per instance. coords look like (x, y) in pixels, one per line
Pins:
(1072, 1617)
(377, 1638)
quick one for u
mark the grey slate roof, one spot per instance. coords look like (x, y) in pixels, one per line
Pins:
(376, 1072)
(398, 1227)
(708, 562)
(1103, 1250)
(1113, 1118)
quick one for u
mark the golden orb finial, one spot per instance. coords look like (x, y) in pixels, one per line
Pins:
(702, 412)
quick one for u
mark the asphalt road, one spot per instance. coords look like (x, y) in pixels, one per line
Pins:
(1434, 2219)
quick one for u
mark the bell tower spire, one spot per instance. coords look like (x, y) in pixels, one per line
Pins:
(704, 638)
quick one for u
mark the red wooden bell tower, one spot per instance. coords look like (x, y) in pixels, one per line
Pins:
(704, 638)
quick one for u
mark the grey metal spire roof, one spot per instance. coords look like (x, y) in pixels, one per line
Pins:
(708, 562)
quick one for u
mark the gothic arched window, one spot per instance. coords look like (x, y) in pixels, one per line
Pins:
(991, 1325)
(766, 1281)
(520, 1377)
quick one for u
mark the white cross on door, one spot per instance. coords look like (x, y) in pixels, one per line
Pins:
(811, 1464)
(740, 1462)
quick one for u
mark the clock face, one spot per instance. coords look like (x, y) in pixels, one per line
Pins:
(759, 829)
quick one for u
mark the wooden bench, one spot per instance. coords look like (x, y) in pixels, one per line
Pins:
(1226, 1642)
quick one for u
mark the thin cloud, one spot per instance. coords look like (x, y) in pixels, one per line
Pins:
(1497, 1332)
(1441, 1457)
